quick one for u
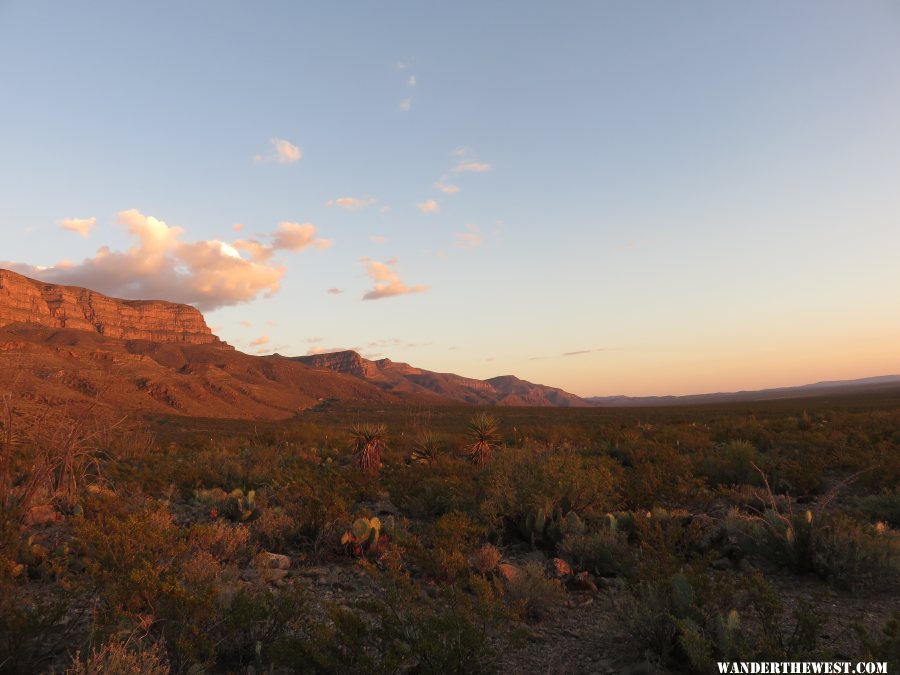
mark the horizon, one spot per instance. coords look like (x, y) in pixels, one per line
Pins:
(612, 200)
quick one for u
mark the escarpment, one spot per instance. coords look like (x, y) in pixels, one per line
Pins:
(24, 300)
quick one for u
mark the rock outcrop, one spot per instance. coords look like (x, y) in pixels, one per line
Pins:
(24, 300)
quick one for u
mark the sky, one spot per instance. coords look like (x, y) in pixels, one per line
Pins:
(613, 198)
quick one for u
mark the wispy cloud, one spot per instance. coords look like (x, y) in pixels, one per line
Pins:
(237, 227)
(352, 203)
(82, 226)
(472, 167)
(334, 291)
(283, 152)
(261, 340)
(428, 206)
(583, 351)
(246, 324)
(387, 281)
(446, 188)
(471, 238)
(377, 239)
(208, 274)
(411, 81)
(406, 104)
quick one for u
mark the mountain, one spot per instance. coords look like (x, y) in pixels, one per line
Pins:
(64, 345)
(396, 377)
(31, 301)
(828, 388)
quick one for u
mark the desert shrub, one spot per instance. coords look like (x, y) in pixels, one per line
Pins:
(688, 622)
(603, 551)
(882, 507)
(143, 564)
(430, 491)
(314, 497)
(128, 657)
(443, 546)
(225, 541)
(530, 590)
(34, 629)
(851, 554)
(519, 485)
(884, 645)
(274, 529)
(458, 632)
(656, 473)
(484, 438)
(734, 463)
(256, 625)
(485, 559)
(369, 442)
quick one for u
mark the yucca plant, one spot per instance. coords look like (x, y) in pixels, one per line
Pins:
(369, 441)
(427, 448)
(485, 437)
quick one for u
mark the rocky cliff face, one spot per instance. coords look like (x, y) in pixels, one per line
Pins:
(30, 301)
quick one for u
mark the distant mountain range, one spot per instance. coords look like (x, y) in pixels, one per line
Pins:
(833, 387)
(396, 377)
(62, 345)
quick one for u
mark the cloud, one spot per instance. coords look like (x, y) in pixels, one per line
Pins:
(402, 65)
(160, 265)
(352, 203)
(246, 324)
(470, 239)
(472, 167)
(283, 152)
(411, 82)
(270, 322)
(377, 239)
(261, 340)
(428, 206)
(82, 226)
(288, 237)
(237, 227)
(335, 291)
(446, 188)
(314, 339)
(406, 104)
(582, 351)
(387, 281)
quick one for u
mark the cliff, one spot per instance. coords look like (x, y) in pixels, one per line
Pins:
(30, 301)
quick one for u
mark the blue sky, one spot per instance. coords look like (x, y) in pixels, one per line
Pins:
(651, 197)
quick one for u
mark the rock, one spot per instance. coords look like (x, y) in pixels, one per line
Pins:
(559, 568)
(268, 575)
(313, 572)
(745, 566)
(44, 514)
(509, 572)
(721, 564)
(28, 300)
(271, 561)
(582, 583)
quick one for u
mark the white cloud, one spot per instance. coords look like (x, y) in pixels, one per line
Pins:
(406, 104)
(446, 188)
(411, 82)
(82, 226)
(246, 324)
(377, 239)
(352, 203)
(428, 206)
(387, 281)
(473, 167)
(159, 265)
(283, 152)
